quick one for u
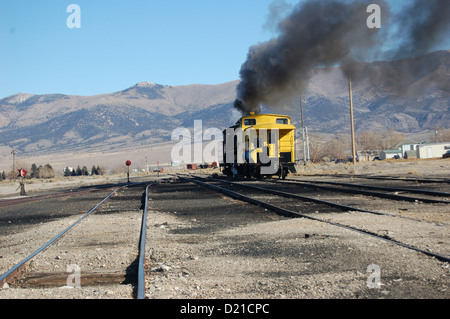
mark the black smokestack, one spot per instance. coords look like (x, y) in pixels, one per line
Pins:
(325, 33)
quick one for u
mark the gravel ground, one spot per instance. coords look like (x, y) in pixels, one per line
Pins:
(204, 245)
(109, 250)
(228, 255)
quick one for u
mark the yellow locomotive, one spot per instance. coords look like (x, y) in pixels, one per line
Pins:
(258, 146)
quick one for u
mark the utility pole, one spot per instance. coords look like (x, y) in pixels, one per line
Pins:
(301, 110)
(306, 155)
(13, 152)
(352, 121)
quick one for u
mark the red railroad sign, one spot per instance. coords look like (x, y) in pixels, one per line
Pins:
(128, 163)
(22, 172)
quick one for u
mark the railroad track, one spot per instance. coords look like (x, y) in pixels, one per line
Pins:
(377, 191)
(392, 178)
(67, 193)
(235, 190)
(121, 198)
(408, 179)
(349, 191)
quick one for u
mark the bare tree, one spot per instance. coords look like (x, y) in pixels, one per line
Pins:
(369, 141)
(392, 139)
(46, 171)
(440, 135)
(337, 146)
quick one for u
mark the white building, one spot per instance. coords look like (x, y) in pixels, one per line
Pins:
(435, 150)
(409, 150)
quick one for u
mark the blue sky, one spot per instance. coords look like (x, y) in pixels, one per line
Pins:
(120, 43)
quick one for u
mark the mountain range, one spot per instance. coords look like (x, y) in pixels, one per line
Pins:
(147, 113)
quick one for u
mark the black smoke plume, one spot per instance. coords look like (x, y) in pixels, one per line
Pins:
(326, 33)
(421, 26)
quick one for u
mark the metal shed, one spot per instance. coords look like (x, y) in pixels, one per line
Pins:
(389, 154)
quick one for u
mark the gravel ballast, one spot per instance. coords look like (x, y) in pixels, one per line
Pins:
(254, 257)
(204, 245)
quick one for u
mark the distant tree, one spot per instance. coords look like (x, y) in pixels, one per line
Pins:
(101, 170)
(2, 176)
(337, 146)
(46, 171)
(440, 135)
(94, 170)
(369, 141)
(84, 171)
(34, 171)
(50, 170)
(39, 171)
(392, 139)
(12, 175)
(67, 172)
(79, 172)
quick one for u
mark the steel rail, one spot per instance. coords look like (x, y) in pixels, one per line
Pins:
(290, 213)
(141, 262)
(408, 179)
(320, 201)
(71, 192)
(20, 265)
(308, 199)
(393, 178)
(393, 189)
(370, 193)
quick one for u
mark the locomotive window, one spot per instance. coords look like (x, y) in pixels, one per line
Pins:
(250, 122)
(282, 121)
